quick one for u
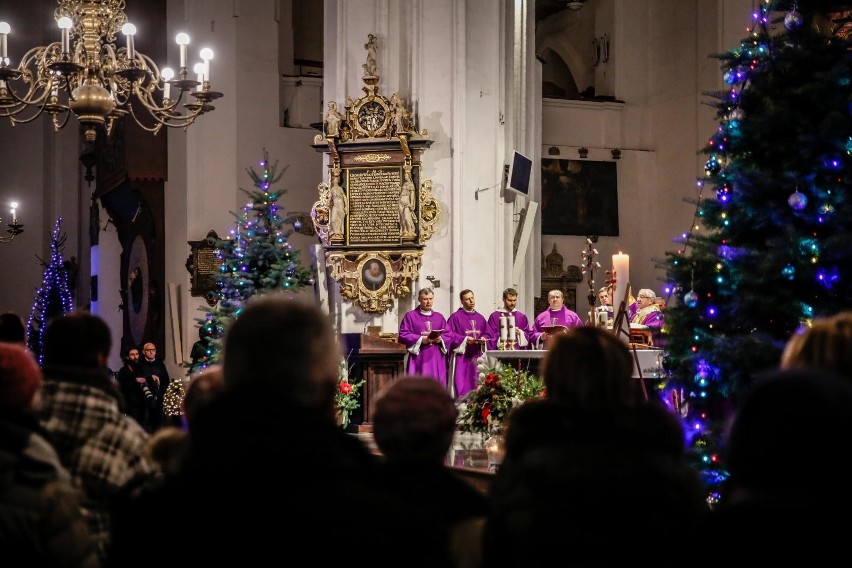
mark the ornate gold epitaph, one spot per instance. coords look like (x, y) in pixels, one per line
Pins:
(374, 211)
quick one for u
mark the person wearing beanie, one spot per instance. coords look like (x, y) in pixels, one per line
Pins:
(41, 523)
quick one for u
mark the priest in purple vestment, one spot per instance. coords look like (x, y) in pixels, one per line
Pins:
(466, 335)
(523, 332)
(555, 314)
(426, 355)
(647, 312)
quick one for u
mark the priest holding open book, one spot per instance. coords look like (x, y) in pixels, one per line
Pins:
(467, 339)
(421, 332)
(555, 319)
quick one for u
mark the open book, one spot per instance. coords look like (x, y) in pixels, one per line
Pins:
(434, 334)
(554, 329)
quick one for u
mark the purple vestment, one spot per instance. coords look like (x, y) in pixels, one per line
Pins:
(462, 325)
(429, 360)
(522, 325)
(652, 319)
(548, 317)
(631, 311)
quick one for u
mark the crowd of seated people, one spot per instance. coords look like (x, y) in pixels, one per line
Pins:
(595, 472)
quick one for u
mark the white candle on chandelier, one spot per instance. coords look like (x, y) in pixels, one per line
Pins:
(199, 70)
(182, 40)
(206, 56)
(65, 23)
(5, 29)
(129, 30)
(167, 74)
(14, 212)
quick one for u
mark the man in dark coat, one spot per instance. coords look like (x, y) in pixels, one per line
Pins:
(158, 381)
(138, 401)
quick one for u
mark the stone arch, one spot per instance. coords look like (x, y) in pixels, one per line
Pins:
(564, 42)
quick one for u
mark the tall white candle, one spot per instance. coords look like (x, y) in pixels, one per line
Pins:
(167, 74)
(182, 40)
(206, 56)
(199, 71)
(503, 328)
(5, 29)
(65, 23)
(621, 267)
(510, 331)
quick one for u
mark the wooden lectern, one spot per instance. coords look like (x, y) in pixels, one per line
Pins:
(379, 362)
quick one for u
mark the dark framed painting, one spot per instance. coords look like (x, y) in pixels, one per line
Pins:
(373, 275)
(579, 197)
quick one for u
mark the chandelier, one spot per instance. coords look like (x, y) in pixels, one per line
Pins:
(87, 74)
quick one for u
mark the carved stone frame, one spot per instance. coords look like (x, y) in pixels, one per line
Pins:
(400, 267)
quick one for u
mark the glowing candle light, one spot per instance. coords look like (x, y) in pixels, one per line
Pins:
(182, 40)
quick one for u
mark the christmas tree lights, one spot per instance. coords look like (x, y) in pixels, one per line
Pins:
(53, 298)
(255, 258)
(776, 246)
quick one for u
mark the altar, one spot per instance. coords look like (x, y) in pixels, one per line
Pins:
(647, 362)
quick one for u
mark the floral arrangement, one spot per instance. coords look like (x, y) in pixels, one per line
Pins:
(346, 399)
(501, 388)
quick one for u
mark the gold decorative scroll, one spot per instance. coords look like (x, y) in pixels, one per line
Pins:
(430, 211)
(321, 212)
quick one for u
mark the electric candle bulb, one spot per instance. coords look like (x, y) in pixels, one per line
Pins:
(199, 70)
(14, 212)
(207, 55)
(182, 40)
(129, 30)
(167, 74)
(5, 30)
(65, 25)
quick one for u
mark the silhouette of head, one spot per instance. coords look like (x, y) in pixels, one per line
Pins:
(588, 365)
(286, 346)
(12, 328)
(77, 339)
(415, 420)
(788, 434)
(826, 345)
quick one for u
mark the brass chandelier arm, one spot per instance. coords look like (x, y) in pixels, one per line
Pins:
(166, 115)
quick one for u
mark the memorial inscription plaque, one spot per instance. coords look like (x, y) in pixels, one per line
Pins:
(373, 205)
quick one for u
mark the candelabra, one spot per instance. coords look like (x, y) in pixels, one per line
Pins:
(14, 228)
(589, 266)
(86, 74)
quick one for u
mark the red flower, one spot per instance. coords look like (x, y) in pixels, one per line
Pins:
(490, 379)
(486, 411)
(345, 387)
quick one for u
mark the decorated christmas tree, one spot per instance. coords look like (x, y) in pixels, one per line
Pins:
(771, 245)
(255, 258)
(53, 298)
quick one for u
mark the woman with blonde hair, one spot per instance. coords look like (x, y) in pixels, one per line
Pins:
(826, 345)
